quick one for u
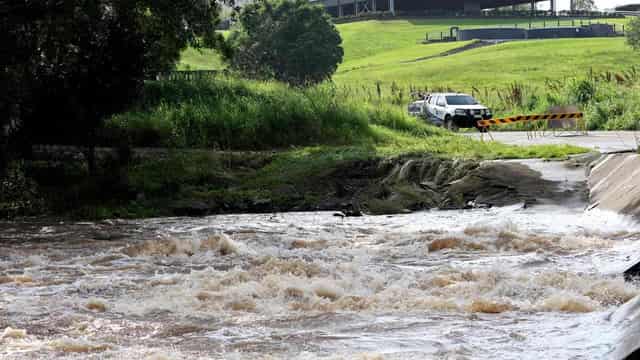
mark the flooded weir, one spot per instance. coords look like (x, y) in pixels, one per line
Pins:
(515, 282)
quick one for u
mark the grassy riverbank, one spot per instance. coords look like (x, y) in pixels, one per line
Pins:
(235, 145)
(230, 114)
(230, 145)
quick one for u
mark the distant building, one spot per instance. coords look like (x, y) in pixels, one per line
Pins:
(628, 7)
(339, 8)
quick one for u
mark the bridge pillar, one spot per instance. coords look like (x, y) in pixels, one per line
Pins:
(553, 7)
(533, 6)
(340, 11)
(392, 7)
(373, 5)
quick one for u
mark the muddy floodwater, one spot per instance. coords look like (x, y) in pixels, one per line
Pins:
(502, 283)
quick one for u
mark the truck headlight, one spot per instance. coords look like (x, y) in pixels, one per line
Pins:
(460, 112)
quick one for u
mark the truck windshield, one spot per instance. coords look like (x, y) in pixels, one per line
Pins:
(461, 100)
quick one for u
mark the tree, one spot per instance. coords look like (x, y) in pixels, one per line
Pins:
(291, 41)
(584, 5)
(633, 33)
(69, 64)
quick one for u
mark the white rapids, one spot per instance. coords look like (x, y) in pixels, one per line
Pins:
(502, 283)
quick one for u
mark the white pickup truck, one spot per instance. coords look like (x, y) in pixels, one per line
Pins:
(455, 110)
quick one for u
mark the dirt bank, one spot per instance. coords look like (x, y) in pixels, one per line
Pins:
(393, 185)
(199, 183)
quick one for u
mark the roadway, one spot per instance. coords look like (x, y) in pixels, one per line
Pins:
(602, 141)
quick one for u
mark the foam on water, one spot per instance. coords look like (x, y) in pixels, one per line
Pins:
(494, 283)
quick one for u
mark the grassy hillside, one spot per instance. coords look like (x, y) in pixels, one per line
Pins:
(392, 51)
(370, 38)
(203, 59)
(532, 62)
(399, 56)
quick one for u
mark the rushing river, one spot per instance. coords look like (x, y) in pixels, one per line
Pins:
(502, 283)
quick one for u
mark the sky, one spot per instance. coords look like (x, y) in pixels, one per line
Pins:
(600, 4)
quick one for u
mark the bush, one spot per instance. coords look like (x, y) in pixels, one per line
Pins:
(633, 33)
(582, 91)
(19, 195)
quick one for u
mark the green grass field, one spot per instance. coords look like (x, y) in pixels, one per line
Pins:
(371, 38)
(387, 50)
(384, 51)
(377, 43)
(202, 59)
(532, 62)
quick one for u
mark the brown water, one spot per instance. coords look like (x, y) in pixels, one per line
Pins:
(504, 283)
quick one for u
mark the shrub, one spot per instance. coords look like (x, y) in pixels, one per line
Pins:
(582, 91)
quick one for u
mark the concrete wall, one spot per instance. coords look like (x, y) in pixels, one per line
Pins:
(593, 30)
(491, 34)
(614, 184)
(553, 33)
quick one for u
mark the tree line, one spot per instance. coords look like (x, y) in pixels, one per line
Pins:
(67, 65)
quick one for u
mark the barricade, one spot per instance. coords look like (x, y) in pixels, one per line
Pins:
(556, 122)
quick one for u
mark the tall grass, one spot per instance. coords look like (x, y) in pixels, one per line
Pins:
(610, 100)
(229, 113)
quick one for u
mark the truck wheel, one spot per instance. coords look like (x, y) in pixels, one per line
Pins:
(448, 123)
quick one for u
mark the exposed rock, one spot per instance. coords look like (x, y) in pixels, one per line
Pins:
(497, 183)
(108, 235)
(632, 273)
